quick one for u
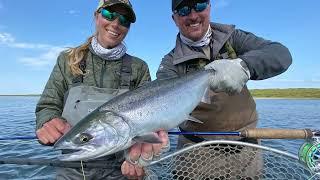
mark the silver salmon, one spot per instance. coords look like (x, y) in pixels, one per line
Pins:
(134, 116)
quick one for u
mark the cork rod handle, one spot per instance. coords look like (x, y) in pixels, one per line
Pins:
(264, 133)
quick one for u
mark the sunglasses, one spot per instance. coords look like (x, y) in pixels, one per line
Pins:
(111, 16)
(186, 10)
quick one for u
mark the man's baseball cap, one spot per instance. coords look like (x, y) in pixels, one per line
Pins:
(175, 4)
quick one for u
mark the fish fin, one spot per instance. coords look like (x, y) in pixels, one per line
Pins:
(147, 138)
(193, 119)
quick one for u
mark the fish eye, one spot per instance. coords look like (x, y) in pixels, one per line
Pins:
(84, 138)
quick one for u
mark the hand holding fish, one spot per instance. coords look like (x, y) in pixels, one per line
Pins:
(230, 75)
(52, 131)
(143, 153)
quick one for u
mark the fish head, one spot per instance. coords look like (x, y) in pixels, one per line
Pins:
(92, 137)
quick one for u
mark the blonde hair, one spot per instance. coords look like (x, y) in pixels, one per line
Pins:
(75, 55)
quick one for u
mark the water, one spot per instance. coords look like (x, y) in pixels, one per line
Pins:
(17, 119)
(288, 113)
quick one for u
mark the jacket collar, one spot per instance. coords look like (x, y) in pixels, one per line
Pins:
(220, 34)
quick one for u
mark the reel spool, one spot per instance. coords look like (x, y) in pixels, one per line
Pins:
(309, 153)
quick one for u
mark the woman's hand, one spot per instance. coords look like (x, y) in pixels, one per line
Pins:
(143, 153)
(52, 130)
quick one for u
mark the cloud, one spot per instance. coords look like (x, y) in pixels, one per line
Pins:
(220, 4)
(312, 80)
(73, 12)
(47, 56)
(7, 39)
(279, 85)
(45, 59)
(315, 80)
(30, 46)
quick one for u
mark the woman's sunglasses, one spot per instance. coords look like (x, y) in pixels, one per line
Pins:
(186, 10)
(111, 16)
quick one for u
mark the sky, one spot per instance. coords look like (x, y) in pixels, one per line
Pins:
(34, 32)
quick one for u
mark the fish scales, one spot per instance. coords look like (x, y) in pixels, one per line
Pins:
(114, 126)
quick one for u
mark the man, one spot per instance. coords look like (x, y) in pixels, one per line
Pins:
(235, 55)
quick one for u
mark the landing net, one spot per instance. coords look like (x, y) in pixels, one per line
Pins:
(224, 160)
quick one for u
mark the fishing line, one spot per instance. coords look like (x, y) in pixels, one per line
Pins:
(57, 163)
(82, 169)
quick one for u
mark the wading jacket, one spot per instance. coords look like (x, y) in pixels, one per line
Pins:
(99, 73)
(225, 112)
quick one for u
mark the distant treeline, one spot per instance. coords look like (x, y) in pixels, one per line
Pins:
(266, 93)
(286, 93)
(22, 95)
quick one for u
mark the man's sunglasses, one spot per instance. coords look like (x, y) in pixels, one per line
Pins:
(111, 16)
(186, 10)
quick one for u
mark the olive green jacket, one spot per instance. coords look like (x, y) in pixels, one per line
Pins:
(100, 73)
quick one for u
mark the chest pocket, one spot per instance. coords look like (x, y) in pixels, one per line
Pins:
(195, 65)
(125, 73)
(226, 52)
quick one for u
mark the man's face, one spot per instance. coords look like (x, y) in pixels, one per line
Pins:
(194, 25)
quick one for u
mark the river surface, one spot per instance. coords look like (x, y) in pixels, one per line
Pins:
(17, 119)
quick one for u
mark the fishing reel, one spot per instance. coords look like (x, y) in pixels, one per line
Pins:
(309, 152)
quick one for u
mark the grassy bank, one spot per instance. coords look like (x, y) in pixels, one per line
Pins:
(266, 93)
(286, 93)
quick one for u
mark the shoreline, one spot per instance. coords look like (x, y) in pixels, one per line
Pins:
(315, 98)
(289, 93)
(27, 95)
(302, 98)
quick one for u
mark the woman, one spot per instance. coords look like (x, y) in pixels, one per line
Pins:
(101, 68)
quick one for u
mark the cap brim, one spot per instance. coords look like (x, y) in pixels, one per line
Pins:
(177, 3)
(131, 14)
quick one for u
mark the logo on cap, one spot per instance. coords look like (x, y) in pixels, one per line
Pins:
(125, 1)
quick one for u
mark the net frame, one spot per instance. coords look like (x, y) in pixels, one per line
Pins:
(277, 164)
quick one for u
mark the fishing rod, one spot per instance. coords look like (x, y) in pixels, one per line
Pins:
(309, 152)
(57, 163)
(18, 138)
(257, 133)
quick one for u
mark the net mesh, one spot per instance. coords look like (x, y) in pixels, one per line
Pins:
(223, 161)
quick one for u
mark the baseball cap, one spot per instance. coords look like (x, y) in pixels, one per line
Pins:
(125, 3)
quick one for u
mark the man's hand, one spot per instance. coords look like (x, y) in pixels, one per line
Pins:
(52, 130)
(230, 75)
(143, 153)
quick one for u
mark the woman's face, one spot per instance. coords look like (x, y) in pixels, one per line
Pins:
(110, 33)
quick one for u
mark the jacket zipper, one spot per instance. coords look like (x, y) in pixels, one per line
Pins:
(102, 73)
